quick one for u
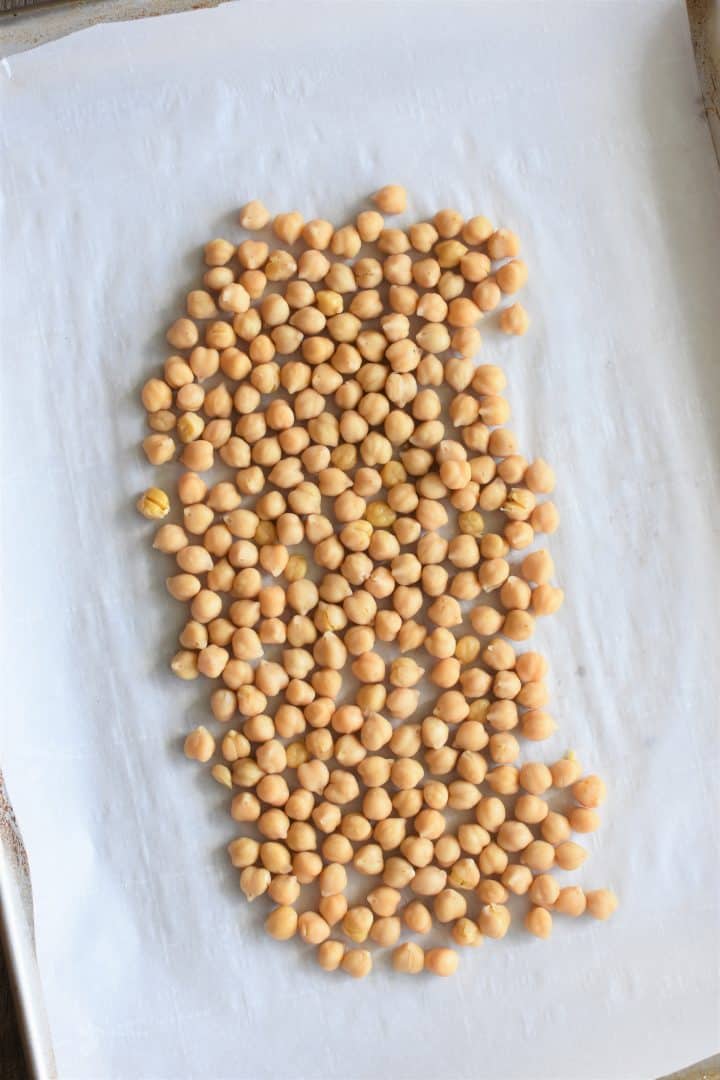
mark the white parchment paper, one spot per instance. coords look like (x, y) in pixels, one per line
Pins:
(123, 149)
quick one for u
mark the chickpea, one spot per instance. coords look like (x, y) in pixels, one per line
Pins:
(357, 924)
(282, 923)
(570, 901)
(544, 891)
(449, 905)
(330, 955)
(357, 962)
(517, 879)
(601, 903)
(514, 319)
(494, 920)
(539, 922)
(530, 809)
(441, 961)
(539, 856)
(429, 881)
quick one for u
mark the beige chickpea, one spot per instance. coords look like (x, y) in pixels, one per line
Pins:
(569, 855)
(450, 285)
(517, 879)
(273, 824)
(555, 828)
(199, 745)
(512, 275)
(530, 809)
(330, 955)
(313, 928)
(470, 734)
(570, 901)
(429, 881)
(601, 903)
(514, 319)
(417, 850)
(449, 905)
(284, 889)
(282, 923)
(463, 794)
(539, 855)
(519, 535)
(193, 636)
(537, 725)
(357, 962)
(390, 199)
(494, 920)
(357, 923)
(416, 917)
(254, 882)
(539, 922)
(583, 820)
(243, 852)
(333, 909)
(464, 873)
(245, 807)
(398, 872)
(408, 958)
(389, 833)
(306, 866)
(466, 932)
(589, 792)
(544, 891)
(441, 961)
(473, 838)
(441, 762)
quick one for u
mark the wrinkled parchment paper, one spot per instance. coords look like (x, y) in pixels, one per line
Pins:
(123, 149)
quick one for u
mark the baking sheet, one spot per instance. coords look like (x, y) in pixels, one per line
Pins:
(123, 149)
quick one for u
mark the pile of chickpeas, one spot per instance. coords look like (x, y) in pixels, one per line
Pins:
(355, 537)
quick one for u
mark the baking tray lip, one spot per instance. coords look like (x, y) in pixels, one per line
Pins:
(17, 940)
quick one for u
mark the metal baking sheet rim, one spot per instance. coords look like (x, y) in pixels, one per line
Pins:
(17, 938)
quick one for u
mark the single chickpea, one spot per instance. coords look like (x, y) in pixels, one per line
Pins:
(514, 319)
(449, 905)
(601, 903)
(284, 889)
(199, 745)
(517, 879)
(390, 199)
(357, 962)
(416, 917)
(408, 958)
(357, 924)
(487, 295)
(569, 855)
(589, 792)
(466, 932)
(441, 961)
(544, 891)
(254, 881)
(429, 881)
(312, 928)
(494, 920)
(570, 901)
(539, 922)
(243, 852)
(464, 874)
(282, 923)
(539, 856)
(530, 809)
(512, 276)
(555, 828)
(330, 955)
